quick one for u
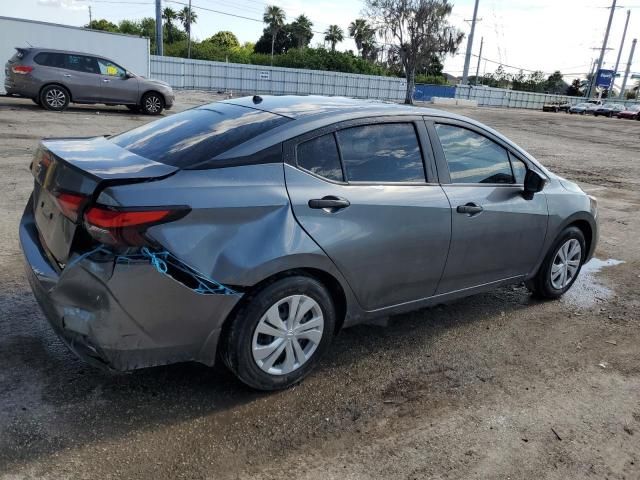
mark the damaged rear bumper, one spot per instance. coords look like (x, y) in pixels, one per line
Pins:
(123, 316)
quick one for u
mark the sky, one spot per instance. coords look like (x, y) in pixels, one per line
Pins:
(544, 35)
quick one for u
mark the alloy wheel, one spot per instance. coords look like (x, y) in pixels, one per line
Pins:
(566, 264)
(152, 104)
(55, 98)
(287, 335)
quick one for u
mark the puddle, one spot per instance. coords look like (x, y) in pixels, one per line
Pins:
(587, 291)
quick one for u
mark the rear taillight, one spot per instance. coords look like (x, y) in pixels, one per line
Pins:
(22, 69)
(70, 204)
(126, 227)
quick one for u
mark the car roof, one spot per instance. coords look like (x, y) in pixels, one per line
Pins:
(300, 107)
(53, 50)
(311, 112)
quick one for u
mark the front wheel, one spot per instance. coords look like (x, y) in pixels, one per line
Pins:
(561, 266)
(152, 103)
(280, 333)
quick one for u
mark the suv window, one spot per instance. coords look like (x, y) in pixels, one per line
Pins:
(381, 153)
(110, 68)
(473, 158)
(50, 59)
(320, 156)
(80, 63)
(197, 135)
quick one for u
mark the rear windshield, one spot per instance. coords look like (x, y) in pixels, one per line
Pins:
(194, 136)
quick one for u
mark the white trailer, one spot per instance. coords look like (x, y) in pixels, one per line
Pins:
(127, 50)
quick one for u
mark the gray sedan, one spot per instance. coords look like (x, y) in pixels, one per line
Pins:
(252, 230)
(55, 78)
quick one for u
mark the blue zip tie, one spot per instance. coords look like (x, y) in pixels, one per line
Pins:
(161, 262)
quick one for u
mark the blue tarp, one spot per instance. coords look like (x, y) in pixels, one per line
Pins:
(425, 93)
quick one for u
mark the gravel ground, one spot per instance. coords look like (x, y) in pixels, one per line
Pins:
(494, 386)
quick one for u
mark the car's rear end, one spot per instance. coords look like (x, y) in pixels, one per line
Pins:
(122, 250)
(18, 71)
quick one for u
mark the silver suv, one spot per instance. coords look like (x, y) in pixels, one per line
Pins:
(54, 78)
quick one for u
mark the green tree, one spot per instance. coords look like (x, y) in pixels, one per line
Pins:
(187, 18)
(301, 31)
(130, 27)
(102, 24)
(363, 34)
(282, 43)
(333, 35)
(169, 15)
(575, 89)
(418, 29)
(224, 40)
(274, 17)
(555, 83)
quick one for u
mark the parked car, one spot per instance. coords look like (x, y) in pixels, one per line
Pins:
(556, 107)
(55, 78)
(253, 229)
(608, 109)
(632, 112)
(580, 108)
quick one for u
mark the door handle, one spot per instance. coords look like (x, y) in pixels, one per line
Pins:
(469, 209)
(331, 202)
(106, 80)
(66, 75)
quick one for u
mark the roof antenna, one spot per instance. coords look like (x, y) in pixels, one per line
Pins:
(257, 99)
(28, 44)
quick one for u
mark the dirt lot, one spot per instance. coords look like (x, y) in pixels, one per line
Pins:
(494, 386)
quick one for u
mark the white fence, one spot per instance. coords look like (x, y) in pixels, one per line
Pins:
(182, 73)
(501, 97)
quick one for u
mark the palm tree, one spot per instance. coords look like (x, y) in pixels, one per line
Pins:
(301, 30)
(274, 17)
(169, 15)
(187, 16)
(361, 32)
(333, 35)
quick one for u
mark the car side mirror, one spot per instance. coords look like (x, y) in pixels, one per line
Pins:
(128, 75)
(534, 182)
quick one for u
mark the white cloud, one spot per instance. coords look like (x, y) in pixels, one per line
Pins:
(66, 4)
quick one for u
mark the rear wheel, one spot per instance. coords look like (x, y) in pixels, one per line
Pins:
(561, 266)
(280, 333)
(54, 97)
(152, 103)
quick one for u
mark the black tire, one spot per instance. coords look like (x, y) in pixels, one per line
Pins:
(237, 343)
(152, 103)
(541, 285)
(54, 97)
(134, 108)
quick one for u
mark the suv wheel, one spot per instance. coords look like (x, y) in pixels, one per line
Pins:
(561, 266)
(54, 97)
(280, 333)
(152, 103)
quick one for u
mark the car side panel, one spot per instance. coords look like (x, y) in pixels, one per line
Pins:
(241, 229)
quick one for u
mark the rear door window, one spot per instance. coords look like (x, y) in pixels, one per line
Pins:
(320, 156)
(82, 63)
(381, 153)
(473, 158)
(197, 135)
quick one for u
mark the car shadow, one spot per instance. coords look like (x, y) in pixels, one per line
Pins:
(18, 103)
(43, 384)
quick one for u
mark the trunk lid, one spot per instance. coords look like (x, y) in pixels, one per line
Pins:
(80, 167)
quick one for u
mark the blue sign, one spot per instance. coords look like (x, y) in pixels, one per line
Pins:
(605, 78)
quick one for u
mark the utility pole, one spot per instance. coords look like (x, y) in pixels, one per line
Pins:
(189, 32)
(626, 73)
(479, 58)
(90, 19)
(591, 74)
(624, 34)
(604, 48)
(159, 49)
(467, 57)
